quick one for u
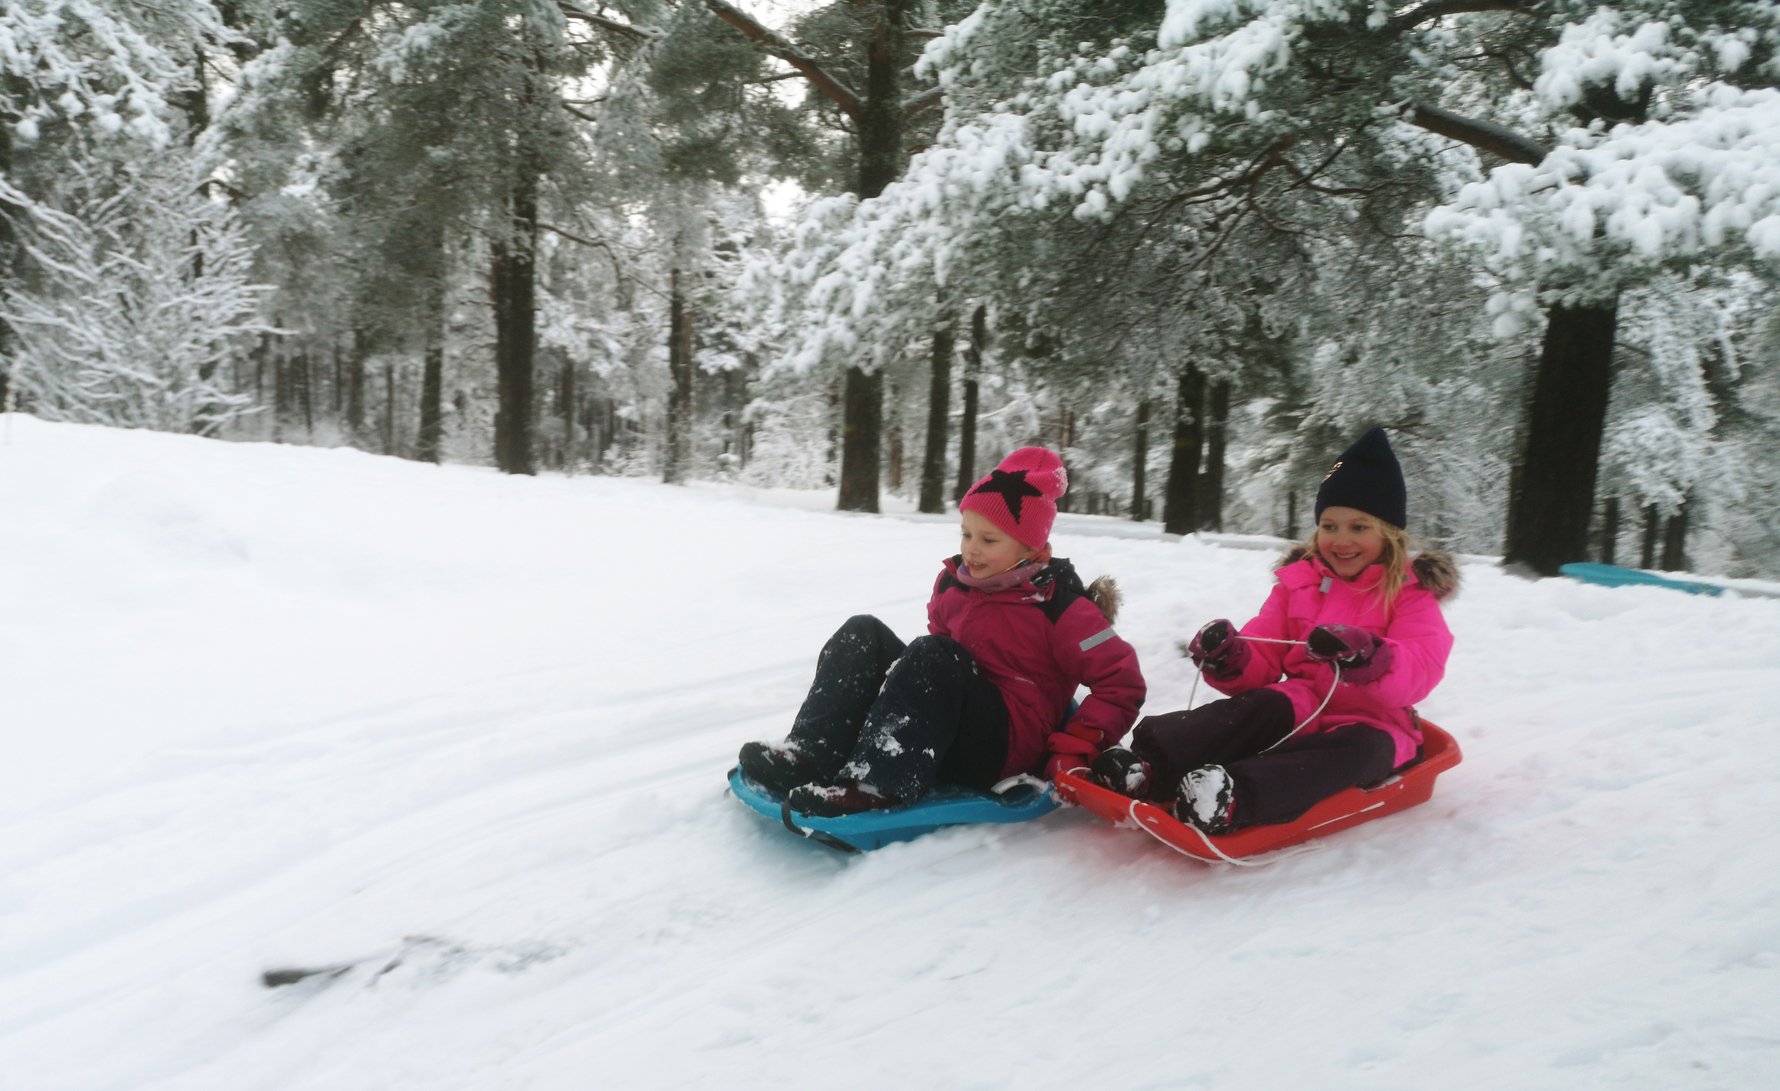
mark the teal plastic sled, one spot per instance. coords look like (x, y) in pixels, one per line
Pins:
(1020, 800)
(1612, 575)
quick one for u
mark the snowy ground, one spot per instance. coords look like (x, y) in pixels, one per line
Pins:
(269, 706)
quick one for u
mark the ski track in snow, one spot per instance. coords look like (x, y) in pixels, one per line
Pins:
(465, 736)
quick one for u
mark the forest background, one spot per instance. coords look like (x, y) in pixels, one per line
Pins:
(870, 245)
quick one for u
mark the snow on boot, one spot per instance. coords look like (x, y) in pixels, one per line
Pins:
(1122, 771)
(834, 800)
(1206, 799)
(777, 767)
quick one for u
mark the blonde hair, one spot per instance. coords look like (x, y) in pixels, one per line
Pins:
(1394, 557)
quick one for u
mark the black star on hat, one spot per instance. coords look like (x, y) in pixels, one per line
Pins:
(1013, 488)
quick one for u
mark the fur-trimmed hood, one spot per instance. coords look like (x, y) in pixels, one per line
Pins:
(1104, 592)
(1436, 571)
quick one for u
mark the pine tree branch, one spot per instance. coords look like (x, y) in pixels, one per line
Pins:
(926, 100)
(830, 86)
(570, 11)
(1485, 136)
(1435, 9)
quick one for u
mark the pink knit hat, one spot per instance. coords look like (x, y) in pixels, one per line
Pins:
(1020, 495)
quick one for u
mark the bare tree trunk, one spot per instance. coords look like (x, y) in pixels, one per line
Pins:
(880, 160)
(567, 407)
(897, 424)
(515, 309)
(389, 407)
(1675, 540)
(1211, 479)
(1548, 514)
(1610, 531)
(939, 408)
(515, 286)
(281, 396)
(967, 422)
(602, 430)
(355, 389)
(1180, 513)
(1653, 526)
(735, 425)
(1140, 464)
(306, 383)
(679, 413)
(862, 420)
(430, 439)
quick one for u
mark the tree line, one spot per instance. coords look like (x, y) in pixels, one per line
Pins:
(1194, 245)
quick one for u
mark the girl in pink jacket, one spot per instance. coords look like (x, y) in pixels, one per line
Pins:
(1011, 634)
(1324, 678)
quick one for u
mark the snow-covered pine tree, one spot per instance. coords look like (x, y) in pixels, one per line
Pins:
(446, 133)
(1258, 83)
(75, 75)
(139, 298)
(857, 66)
(1200, 271)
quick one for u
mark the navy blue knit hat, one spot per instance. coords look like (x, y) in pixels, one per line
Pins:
(1366, 477)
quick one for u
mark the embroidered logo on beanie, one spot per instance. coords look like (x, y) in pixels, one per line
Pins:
(1020, 495)
(1367, 478)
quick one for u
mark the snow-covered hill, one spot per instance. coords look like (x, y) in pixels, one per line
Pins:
(466, 734)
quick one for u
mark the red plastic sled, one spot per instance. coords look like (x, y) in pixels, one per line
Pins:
(1410, 785)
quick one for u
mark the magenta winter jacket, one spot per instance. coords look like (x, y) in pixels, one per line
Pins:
(1307, 594)
(1037, 643)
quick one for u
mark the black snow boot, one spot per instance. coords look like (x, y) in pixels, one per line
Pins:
(1207, 796)
(834, 800)
(777, 767)
(1122, 771)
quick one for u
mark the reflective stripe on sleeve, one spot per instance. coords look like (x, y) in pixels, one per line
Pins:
(1098, 639)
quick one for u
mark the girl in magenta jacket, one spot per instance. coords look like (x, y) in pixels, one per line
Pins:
(1011, 634)
(1324, 678)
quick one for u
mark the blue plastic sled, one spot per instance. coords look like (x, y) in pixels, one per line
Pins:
(1612, 575)
(947, 805)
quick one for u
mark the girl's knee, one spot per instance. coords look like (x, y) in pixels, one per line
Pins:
(1153, 732)
(933, 648)
(861, 623)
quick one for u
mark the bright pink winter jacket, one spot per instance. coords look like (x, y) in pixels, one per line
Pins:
(1306, 593)
(1037, 642)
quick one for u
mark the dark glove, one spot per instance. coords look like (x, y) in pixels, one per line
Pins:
(1364, 656)
(1217, 650)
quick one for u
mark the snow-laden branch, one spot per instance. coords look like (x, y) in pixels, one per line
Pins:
(1635, 198)
(824, 81)
(1486, 136)
(625, 30)
(1088, 131)
(140, 298)
(1438, 9)
(923, 101)
(107, 65)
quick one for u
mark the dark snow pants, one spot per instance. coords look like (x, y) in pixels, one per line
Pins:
(1276, 786)
(901, 718)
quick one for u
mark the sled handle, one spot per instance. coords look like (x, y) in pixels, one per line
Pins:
(1007, 790)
